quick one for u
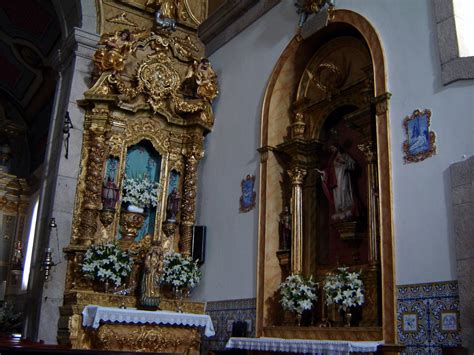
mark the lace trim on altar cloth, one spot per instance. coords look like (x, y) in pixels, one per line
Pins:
(335, 347)
(93, 315)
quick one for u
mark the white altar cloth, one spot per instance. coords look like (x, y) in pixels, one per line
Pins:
(93, 315)
(336, 347)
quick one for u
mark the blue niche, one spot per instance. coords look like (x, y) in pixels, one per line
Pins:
(111, 169)
(143, 160)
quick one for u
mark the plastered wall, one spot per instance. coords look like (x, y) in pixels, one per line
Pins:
(421, 192)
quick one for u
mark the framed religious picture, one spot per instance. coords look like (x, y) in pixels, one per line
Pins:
(449, 321)
(248, 198)
(409, 322)
(420, 142)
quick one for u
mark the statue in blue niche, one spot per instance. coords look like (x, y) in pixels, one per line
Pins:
(172, 205)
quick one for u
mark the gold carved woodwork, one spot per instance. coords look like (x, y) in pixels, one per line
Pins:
(14, 199)
(297, 175)
(189, 202)
(121, 19)
(189, 13)
(107, 217)
(148, 338)
(130, 223)
(298, 126)
(167, 69)
(91, 199)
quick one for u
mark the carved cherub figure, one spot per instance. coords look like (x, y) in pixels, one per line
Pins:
(201, 80)
(113, 55)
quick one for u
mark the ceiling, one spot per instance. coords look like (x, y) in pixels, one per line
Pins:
(29, 33)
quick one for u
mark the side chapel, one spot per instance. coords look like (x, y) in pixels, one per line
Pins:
(302, 109)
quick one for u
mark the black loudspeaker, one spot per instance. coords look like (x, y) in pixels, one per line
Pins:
(199, 243)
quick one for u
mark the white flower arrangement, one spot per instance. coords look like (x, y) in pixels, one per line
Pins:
(107, 262)
(180, 271)
(297, 293)
(140, 191)
(344, 289)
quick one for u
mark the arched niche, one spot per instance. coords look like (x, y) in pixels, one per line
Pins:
(334, 78)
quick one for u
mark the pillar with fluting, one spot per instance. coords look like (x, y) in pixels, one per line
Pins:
(297, 175)
(372, 191)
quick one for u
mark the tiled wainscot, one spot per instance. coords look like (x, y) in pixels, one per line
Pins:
(428, 317)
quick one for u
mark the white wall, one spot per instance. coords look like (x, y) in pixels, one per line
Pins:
(244, 66)
(421, 197)
(424, 236)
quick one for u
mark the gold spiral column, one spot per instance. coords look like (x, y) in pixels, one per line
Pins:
(94, 153)
(297, 175)
(188, 206)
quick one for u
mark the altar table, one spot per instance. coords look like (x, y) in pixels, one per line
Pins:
(109, 328)
(336, 347)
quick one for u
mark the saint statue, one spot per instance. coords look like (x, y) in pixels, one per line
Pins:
(337, 185)
(284, 227)
(152, 270)
(206, 80)
(167, 12)
(172, 205)
(168, 8)
(110, 192)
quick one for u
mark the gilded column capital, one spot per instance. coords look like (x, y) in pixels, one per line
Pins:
(368, 150)
(297, 175)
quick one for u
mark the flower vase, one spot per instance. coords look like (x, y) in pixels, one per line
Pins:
(346, 316)
(135, 209)
(179, 298)
(298, 319)
(106, 286)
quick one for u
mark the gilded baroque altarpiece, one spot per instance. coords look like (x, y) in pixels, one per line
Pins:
(151, 97)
